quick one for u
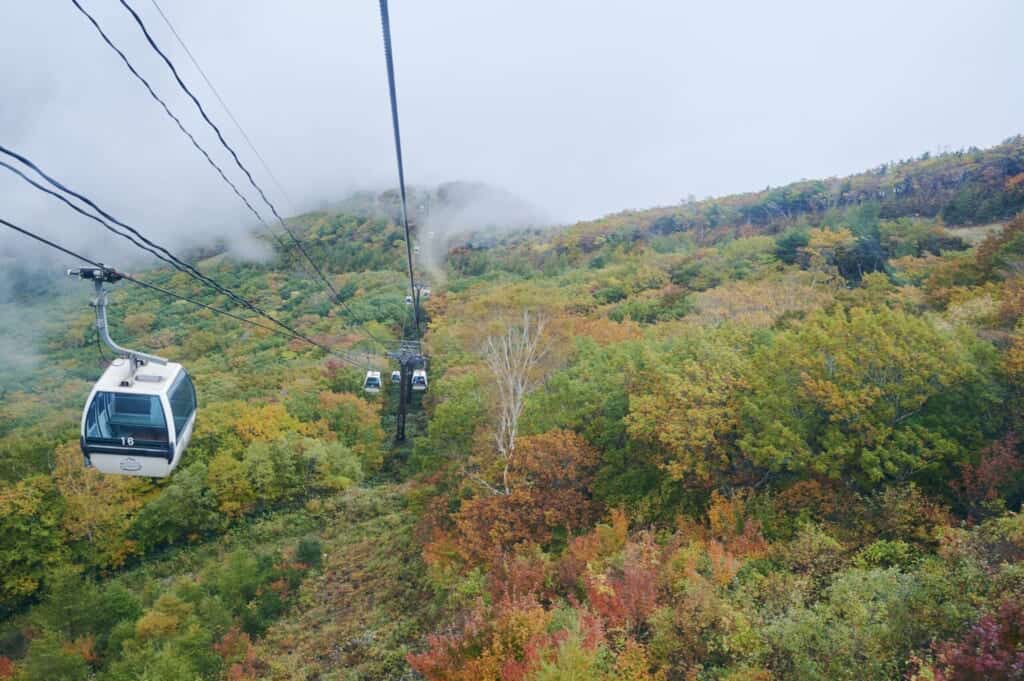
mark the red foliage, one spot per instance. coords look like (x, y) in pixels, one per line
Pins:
(624, 600)
(984, 481)
(503, 642)
(993, 649)
(6, 668)
(491, 527)
(751, 542)
(517, 577)
(238, 652)
(604, 540)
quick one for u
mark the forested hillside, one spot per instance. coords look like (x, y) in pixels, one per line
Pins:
(764, 436)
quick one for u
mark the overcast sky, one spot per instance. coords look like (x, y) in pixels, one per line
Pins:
(582, 108)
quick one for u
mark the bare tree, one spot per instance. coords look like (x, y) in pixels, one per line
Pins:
(514, 358)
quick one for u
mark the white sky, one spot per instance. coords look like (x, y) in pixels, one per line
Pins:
(582, 108)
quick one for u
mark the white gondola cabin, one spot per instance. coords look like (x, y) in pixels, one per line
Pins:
(419, 380)
(396, 376)
(139, 420)
(372, 382)
(139, 417)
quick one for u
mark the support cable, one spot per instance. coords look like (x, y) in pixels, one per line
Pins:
(234, 155)
(224, 143)
(172, 260)
(386, 28)
(224, 105)
(287, 329)
(167, 110)
(155, 249)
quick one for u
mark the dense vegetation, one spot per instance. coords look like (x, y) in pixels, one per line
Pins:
(768, 436)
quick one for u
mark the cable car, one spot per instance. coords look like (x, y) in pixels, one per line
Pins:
(419, 380)
(139, 420)
(372, 382)
(424, 292)
(408, 300)
(396, 376)
(139, 417)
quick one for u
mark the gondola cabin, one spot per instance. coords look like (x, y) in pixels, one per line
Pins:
(371, 383)
(419, 380)
(139, 426)
(396, 376)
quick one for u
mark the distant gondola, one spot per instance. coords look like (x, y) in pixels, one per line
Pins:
(371, 383)
(419, 380)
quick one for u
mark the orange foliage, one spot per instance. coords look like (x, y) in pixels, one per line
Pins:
(518, 577)
(238, 653)
(552, 474)
(728, 524)
(986, 252)
(604, 541)
(632, 664)
(84, 648)
(7, 669)
(705, 562)
(1011, 301)
(604, 331)
(820, 499)
(723, 565)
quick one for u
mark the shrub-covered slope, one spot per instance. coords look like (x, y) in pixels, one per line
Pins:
(768, 436)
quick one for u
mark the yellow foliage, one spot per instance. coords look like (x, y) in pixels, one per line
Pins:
(226, 478)
(632, 664)
(139, 323)
(99, 507)
(759, 303)
(828, 239)
(692, 412)
(164, 618)
(1013, 360)
(156, 625)
(265, 423)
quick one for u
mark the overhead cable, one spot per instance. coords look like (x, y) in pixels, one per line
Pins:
(386, 27)
(146, 245)
(287, 329)
(167, 110)
(224, 105)
(220, 136)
